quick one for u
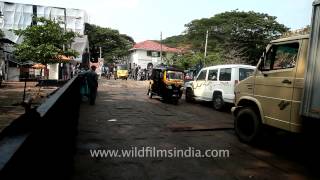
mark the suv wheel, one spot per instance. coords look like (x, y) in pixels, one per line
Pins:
(218, 102)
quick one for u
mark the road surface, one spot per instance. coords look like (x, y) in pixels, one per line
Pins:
(124, 118)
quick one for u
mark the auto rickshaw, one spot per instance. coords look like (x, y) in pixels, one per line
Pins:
(122, 72)
(166, 82)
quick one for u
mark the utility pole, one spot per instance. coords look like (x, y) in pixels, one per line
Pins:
(205, 48)
(161, 47)
(100, 52)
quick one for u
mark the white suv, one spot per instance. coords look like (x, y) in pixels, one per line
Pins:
(216, 83)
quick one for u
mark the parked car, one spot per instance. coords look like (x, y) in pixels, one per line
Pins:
(217, 83)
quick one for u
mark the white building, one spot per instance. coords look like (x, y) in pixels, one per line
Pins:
(147, 53)
(19, 16)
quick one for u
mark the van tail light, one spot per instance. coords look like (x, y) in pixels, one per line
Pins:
(236, 82)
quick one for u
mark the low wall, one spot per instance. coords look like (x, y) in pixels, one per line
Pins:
(41, 143)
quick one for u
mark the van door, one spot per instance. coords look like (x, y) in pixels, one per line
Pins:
(274, 83)
(199, 84)
(211, 84)
(226, 84)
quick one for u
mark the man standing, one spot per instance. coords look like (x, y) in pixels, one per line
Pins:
(92, 79)
(136, 73)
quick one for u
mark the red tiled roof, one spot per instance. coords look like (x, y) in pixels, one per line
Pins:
(154, 46)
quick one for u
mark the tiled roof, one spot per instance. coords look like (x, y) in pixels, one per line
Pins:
(154, 46)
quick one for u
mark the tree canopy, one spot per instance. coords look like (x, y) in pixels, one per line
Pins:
(234, 37)
(45, 42)
(114, 45)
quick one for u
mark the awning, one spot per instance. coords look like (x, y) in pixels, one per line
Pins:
(38, 66)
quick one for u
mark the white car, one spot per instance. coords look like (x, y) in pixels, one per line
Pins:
(216, 83)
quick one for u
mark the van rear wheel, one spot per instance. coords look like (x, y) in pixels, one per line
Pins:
(247, 125)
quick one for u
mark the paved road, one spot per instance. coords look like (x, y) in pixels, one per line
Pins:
(124, 117)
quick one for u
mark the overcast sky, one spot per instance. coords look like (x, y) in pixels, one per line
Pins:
(145, 19)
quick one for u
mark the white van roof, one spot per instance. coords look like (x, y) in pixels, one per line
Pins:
(230, 66)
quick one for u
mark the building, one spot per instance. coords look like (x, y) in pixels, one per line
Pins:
(147, 53)
(19, 16)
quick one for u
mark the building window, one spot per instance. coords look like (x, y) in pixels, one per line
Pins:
(153, 53)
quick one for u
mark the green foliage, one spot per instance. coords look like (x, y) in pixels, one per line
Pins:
(43, 43)
(234, 37)
(187, 60)
(114, 45)
(175, 41)
(213, 58)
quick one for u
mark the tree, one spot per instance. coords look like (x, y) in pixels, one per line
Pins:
(114, 45)
(233, 36)
(43, 43)
(176, 41)
(187, 60)
(247, 31)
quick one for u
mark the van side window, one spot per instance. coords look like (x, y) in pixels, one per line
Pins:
(225, 74)
(213, 75)
(244, 73)
(202, 75)
(281, 56)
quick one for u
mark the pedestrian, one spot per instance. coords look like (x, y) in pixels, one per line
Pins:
(136, 73)
(65, 72)
(92, 79)
(107, 72)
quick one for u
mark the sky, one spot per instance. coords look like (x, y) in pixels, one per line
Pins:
(145, 19)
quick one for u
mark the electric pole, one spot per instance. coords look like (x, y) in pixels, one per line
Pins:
(205, 48)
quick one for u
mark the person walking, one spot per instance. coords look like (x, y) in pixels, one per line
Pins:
(107, 72)
(136, 73)
(92, 79)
